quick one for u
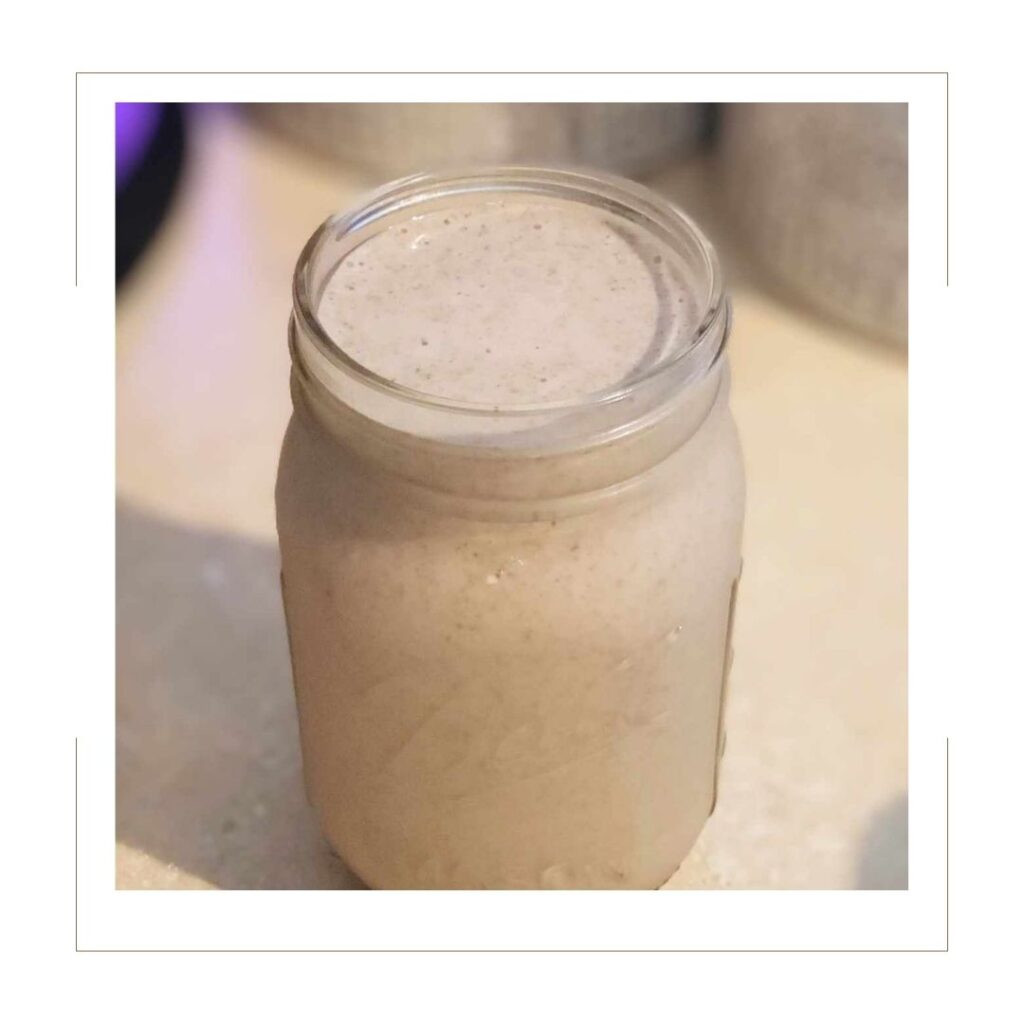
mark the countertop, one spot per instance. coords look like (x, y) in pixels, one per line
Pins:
(209, 793)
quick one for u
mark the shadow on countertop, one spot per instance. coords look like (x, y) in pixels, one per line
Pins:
(209, 774)
(883, 856)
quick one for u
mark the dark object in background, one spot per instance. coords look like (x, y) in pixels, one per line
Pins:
(150, 155)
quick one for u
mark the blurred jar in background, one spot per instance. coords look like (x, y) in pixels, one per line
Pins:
(394, 139)
(818, 194)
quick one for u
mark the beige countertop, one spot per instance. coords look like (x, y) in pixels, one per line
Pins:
(209, 792)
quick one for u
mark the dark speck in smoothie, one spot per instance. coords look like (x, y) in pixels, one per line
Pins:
(524, 271)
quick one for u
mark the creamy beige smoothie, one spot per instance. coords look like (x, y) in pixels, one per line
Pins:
(507, 302)
(510, 516)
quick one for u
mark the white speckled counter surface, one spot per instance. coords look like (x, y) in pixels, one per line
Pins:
(209, 791)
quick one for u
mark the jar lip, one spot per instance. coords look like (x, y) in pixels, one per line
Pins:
(623, 195)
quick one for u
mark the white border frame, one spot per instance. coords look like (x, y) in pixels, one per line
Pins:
(916, 919)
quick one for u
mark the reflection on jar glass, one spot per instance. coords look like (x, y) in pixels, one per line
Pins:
(510, 505)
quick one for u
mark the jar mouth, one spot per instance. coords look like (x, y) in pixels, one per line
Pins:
(698, 348)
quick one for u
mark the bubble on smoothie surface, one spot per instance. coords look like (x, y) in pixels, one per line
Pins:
(509, 302)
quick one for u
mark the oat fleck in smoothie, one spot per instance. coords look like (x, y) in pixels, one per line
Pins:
(510, 507)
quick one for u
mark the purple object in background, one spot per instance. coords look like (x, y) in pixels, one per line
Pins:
(136, 124)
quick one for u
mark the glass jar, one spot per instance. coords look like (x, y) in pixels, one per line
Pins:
(509, 625)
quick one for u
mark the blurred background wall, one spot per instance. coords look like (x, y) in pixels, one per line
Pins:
(394, 139)
(816, 193)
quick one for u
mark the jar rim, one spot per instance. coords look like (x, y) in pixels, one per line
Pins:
(617, 194)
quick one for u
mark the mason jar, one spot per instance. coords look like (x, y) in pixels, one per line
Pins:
(509, 607)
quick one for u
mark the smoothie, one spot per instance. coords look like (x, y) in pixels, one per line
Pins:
(509, 640)
(508, 303)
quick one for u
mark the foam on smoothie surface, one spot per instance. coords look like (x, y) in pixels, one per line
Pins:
(508, 302)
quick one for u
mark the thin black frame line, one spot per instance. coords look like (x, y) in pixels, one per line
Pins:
(577, 73)
(77, 950)
(77, 73)
(947, 179)
(937, 949)
(947, 844)
(392, 73)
